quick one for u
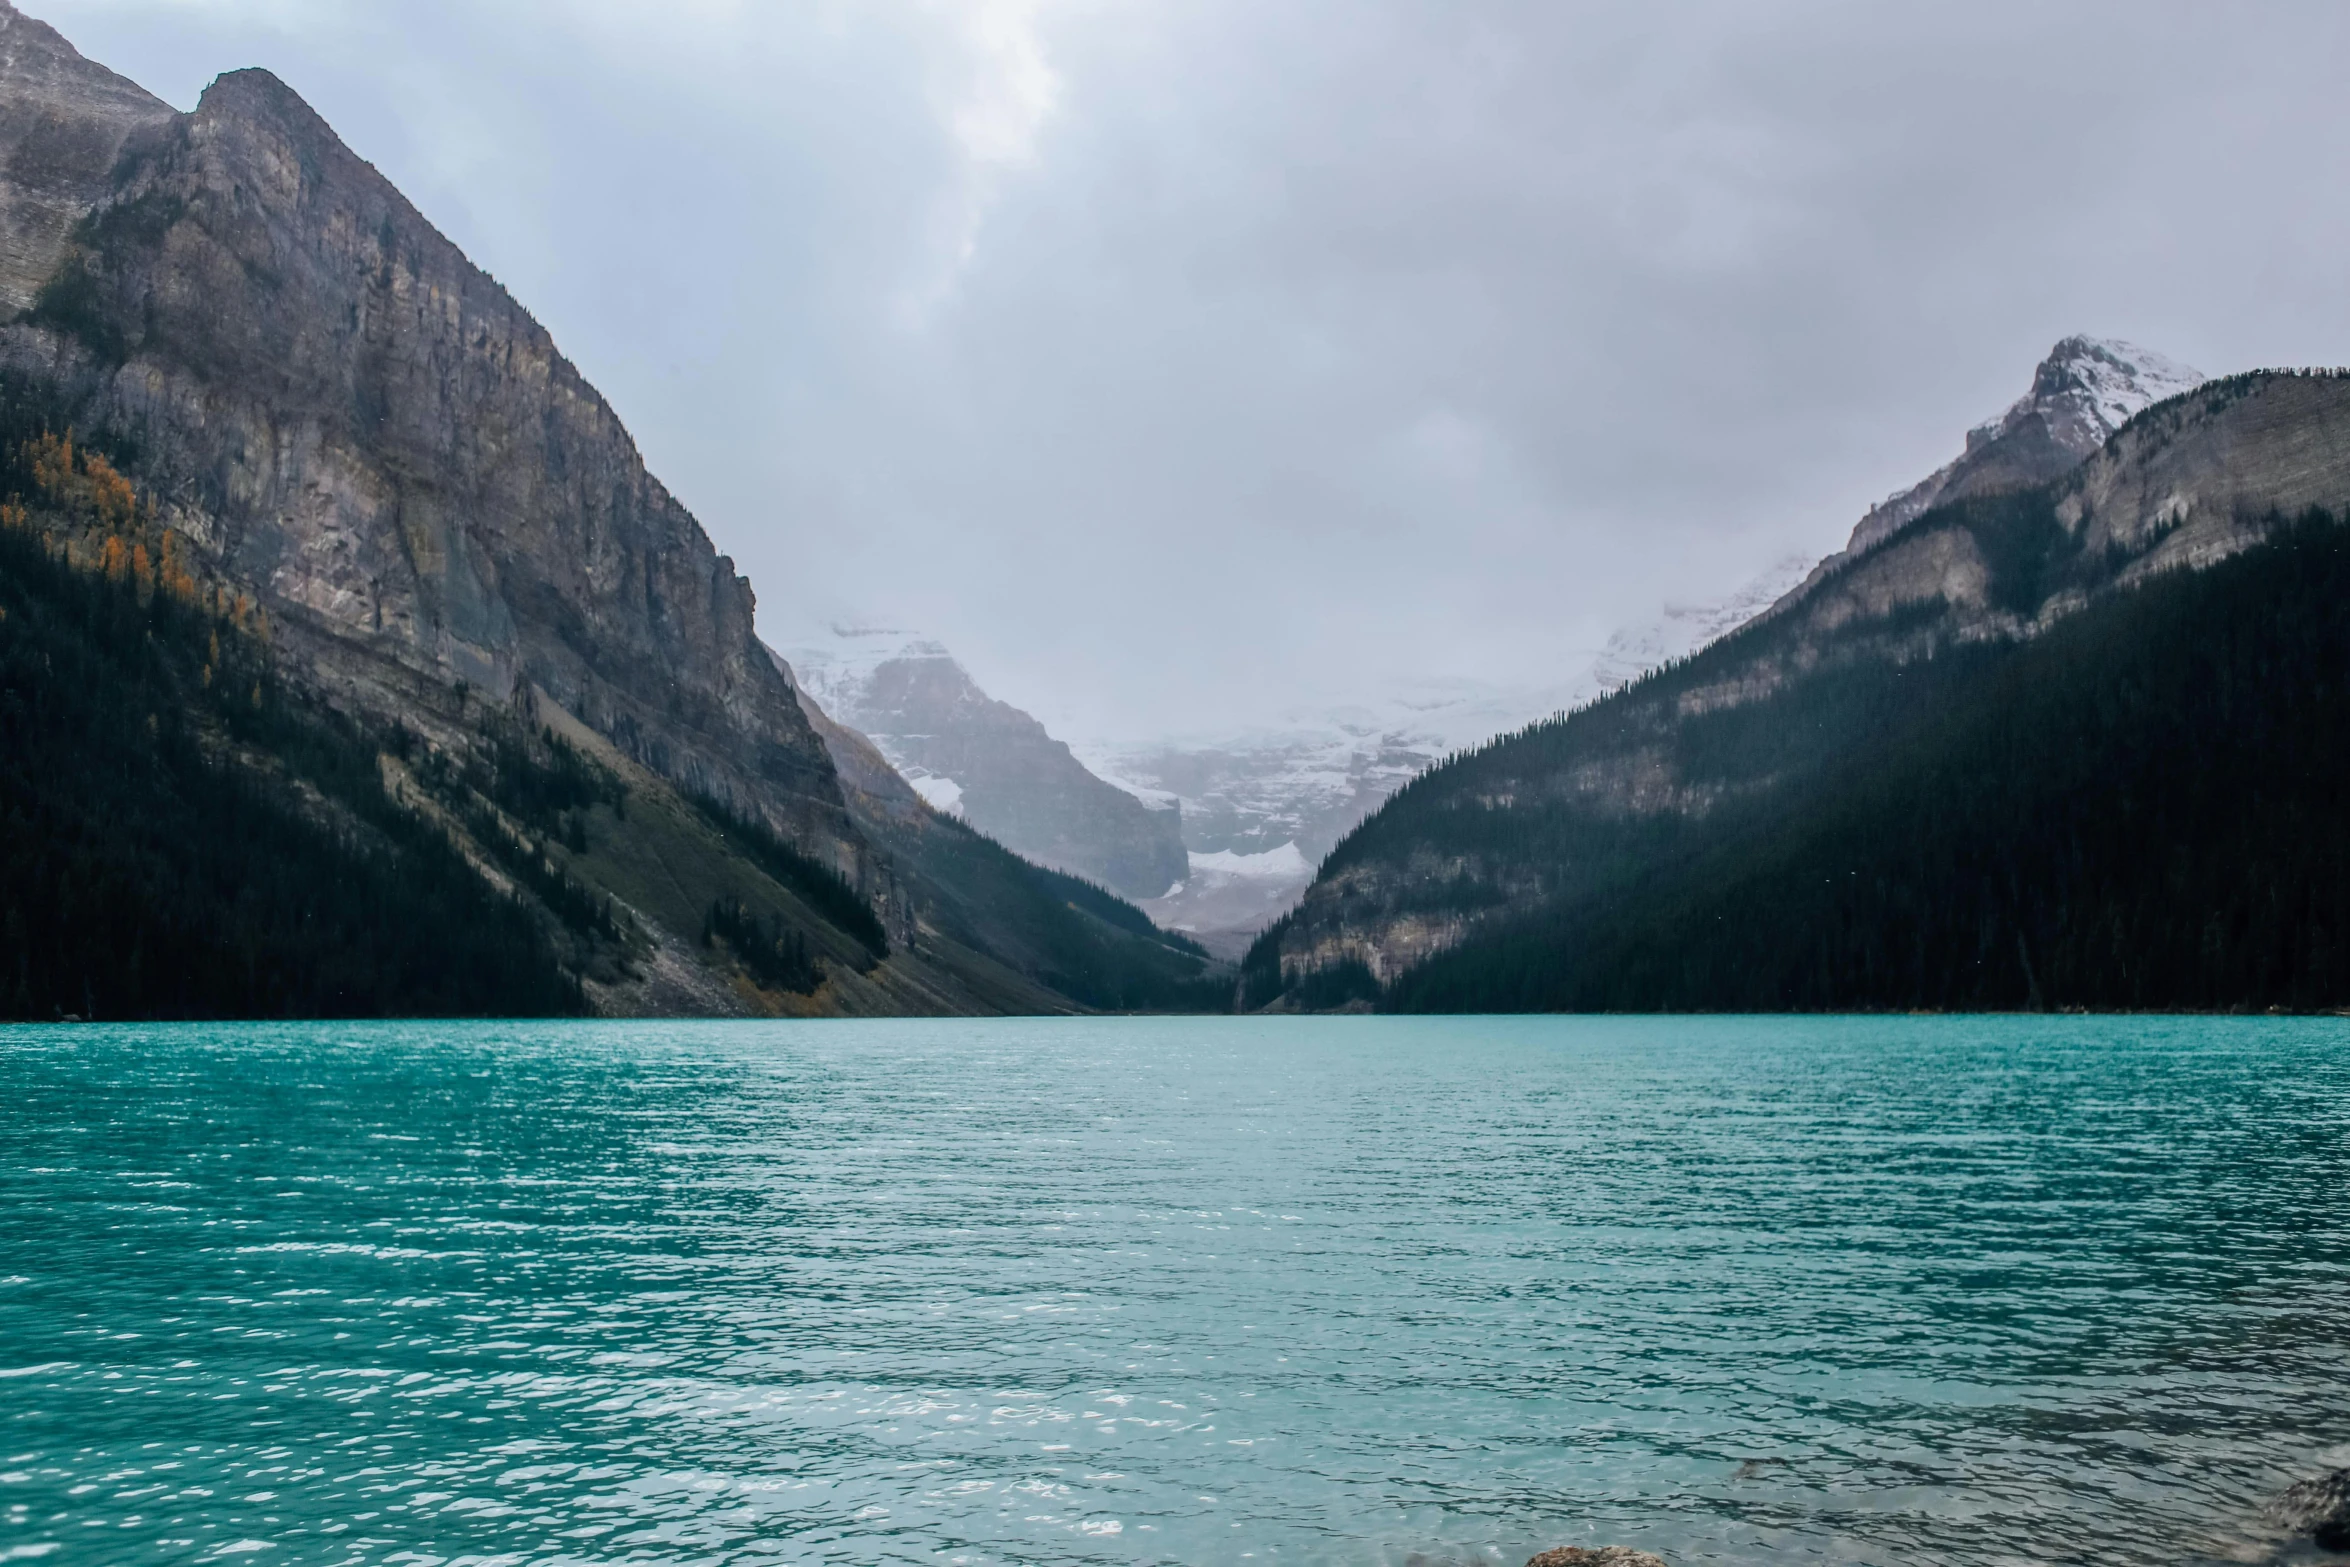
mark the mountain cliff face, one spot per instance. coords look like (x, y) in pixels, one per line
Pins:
(988, 763)
(340, 411)
(1614, 793)
(63, 122)
(246, 382)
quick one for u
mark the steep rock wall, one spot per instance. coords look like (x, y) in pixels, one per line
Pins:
(341, 411)
(63, 121)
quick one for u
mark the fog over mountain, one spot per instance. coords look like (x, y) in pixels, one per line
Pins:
(1180, 365)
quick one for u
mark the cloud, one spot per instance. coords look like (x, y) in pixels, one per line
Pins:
(995, 88)
(1006, 86)
(1186, 360)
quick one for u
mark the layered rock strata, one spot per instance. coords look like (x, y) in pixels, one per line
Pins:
(2183, 484)
(341, 414)
(2085, 390)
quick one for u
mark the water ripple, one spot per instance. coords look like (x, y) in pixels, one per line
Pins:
(1358, 1291)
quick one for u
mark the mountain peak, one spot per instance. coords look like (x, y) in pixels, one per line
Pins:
(63, 122)
(37, 62)
(2087, 388)
(996, 767)
(254, 91)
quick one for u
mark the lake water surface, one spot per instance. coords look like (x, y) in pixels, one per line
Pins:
(1309, 1292)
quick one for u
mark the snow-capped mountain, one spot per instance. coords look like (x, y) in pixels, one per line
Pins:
(840, 669)
(986, 761)
(1308, 781)
(1684, 628)
(1259, 809)
(1257, 805)
(2085, 389)
(2094, 386)
(1230, 897)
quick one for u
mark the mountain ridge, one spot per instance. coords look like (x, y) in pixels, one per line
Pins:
(1310, 789)
(257, 382)
(2082, 392)
(2138, 809)
(63, 122)
(2186, 482)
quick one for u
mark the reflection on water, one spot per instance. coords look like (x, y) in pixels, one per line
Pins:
(1316, 1292)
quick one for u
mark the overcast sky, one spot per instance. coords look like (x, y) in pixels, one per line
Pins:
(1179, 362)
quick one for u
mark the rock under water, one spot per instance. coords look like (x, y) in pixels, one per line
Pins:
(2319, 1508)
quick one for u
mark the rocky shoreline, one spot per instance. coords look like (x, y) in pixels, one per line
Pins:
(2314, 1512)
(2318, 1509)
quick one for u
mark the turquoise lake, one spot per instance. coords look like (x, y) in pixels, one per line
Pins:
(1358, 1291)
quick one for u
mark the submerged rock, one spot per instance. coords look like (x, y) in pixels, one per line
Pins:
(1605, 1556)
(2319, 1508)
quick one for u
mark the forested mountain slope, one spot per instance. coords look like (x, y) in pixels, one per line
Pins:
(251, 381)
(2144, 809)
(1556, 842)
(180, 839)
(1077, 938)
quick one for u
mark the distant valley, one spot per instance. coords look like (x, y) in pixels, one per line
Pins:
(1255, 811)
(1259, 810)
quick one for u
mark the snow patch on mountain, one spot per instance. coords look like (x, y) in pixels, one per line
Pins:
(2087, 388)
(1280, 864)
(1684, 628)
(838, 669)
(942, 795)
(2112, 382)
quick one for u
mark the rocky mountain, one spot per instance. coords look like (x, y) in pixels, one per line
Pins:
(2085, 389)
(988, 763)
(63, 122)
(343, 412)
(246, 374)
(2137, 808)
(1578, 812)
